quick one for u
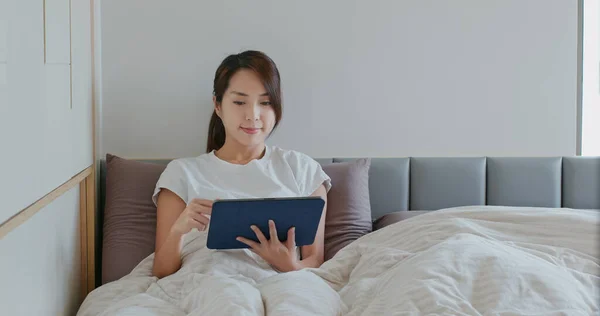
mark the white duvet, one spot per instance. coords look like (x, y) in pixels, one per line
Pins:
(459, 261)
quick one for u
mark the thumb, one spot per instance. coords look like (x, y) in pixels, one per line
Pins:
(291, 240)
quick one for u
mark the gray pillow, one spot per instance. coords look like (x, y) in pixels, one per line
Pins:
(348, 204)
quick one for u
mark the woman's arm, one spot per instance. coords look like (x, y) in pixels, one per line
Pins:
(173, 220)
(313, 255)
(167, 257)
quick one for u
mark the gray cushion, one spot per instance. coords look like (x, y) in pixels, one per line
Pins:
(524, 181)
(388, 184)
(581, 182)
(437, 183)
(323, 161)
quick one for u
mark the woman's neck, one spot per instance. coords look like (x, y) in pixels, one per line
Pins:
(239, 154)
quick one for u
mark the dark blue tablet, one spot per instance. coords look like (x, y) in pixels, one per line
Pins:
(233, 218)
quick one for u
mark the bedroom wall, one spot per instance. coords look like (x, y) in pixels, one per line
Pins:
(45, 123)
(46, 138)
(591, 79)
(40, 266)
(377, 78)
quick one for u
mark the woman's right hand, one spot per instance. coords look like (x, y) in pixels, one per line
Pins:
(195, 215)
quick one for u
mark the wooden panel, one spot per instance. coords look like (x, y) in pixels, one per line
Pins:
(91, 231)
(57, 31)
(83, 238)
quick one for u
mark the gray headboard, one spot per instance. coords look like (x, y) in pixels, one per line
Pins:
(421, 183)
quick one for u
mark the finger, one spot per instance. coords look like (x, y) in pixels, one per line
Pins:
(202, 202)
(291, 240)
(200, 208)
(273, 231)
(200, 218)
(259, 234)
(194, 223)
(251, 243)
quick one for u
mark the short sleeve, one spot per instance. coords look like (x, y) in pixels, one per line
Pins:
(173, 178)
(308, 173)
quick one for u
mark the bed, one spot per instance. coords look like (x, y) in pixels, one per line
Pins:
(407, 236)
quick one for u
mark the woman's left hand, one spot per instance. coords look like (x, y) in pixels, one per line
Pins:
(280, 255)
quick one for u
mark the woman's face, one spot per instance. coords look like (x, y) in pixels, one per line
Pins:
(245, 110)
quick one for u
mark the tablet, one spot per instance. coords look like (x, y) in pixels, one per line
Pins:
(232, 218)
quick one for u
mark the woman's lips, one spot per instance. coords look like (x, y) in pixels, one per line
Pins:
(250, 130)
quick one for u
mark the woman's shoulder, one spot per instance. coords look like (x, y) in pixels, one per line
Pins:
(287, 153)
(177, 175)
(306, 170)
(291, 157)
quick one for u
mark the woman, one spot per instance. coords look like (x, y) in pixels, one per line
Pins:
(238, 164)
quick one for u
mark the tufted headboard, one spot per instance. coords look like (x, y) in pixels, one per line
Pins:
(431, 183)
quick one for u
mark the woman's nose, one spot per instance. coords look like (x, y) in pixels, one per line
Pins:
(253, 111)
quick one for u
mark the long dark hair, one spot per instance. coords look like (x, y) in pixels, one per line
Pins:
(268, 73)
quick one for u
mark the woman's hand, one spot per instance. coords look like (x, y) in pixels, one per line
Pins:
(193, 216)
(280, 255)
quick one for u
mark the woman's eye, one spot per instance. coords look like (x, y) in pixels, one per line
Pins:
(266, 103)
(238, 102)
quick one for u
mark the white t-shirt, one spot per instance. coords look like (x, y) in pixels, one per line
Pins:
(279, 173)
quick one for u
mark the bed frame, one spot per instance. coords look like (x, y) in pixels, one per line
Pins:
(432, 183)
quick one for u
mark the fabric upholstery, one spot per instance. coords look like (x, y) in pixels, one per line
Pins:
(524, 181)
(581, 182)
(324, 161)
(129, 215)
(348, 204)
(388, 183)
(437, 182)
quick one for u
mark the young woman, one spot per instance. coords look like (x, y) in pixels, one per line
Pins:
(238, 164)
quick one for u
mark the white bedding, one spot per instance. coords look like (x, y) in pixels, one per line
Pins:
(459, 261)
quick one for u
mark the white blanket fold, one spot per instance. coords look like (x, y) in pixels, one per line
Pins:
(479, 260)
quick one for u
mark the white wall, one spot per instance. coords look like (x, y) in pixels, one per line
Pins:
(45, 139)
(376, 78)
(45, 136)
(591, 79)
(40, 267)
